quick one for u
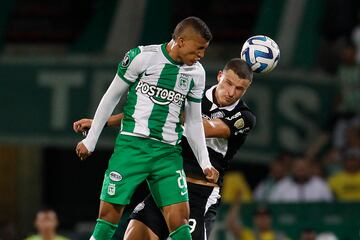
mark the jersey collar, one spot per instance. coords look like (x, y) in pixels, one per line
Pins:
(209, 96)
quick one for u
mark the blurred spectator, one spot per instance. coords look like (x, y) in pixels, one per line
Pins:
(353, 133)
(349, 84)
(346, 184)
(236, 227)
(326, 236)
(346, 105)
(262, 221)
(355, 37)
(267, 187)
(46, 222)
(7, 231)
(263, 229)
(308, 234)
(235, 184)
(316, 168)
(332, 162)
(301, 186)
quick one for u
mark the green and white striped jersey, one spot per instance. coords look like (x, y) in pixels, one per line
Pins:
(158, 89)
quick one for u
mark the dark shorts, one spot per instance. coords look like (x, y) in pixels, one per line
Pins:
(203, 201)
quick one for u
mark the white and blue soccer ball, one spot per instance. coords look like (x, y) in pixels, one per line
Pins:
(261, 53)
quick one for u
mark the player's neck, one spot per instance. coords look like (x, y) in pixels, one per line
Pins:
(48, 235)
(215, 98)
(172, 50)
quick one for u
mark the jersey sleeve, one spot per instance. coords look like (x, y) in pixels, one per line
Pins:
(240, 123)
(197, 87)
(131, 66)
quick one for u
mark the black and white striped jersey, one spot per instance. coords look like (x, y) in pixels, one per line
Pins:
(240, 120)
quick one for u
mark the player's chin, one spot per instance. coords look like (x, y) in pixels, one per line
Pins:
(191, 62)
(229, 101)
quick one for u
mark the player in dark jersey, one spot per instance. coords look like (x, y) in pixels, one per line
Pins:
(227, 121)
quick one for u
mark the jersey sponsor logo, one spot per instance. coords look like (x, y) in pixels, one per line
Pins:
(111, 189)
(217, 115)
(126, 60)
(147, 74)
(243, 131)
(159, 95)
(183, 82)
(234, 116)
(239, 123)
(115, 176)
(139, 207)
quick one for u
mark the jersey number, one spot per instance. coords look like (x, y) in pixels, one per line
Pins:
(192, 224)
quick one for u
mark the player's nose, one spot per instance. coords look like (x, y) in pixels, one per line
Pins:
(201, 54)
(231, 91)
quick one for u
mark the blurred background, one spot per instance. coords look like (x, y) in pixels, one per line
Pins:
(58, 57)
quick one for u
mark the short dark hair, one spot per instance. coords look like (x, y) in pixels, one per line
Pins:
(240, 68)
(46, 209)
(198, 25)
(262, 210)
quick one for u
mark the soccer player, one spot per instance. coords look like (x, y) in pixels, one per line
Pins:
(227, 121)
(158, 78)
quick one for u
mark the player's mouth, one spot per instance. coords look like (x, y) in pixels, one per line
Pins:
(228, 99)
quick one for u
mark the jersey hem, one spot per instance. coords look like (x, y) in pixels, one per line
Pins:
(144, 136)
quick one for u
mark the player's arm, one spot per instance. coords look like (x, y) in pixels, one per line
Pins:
(106, 106)
(195, 135)
(83, 125)
(238, 124)
(212, 128)
(128, 71)
(216, 128)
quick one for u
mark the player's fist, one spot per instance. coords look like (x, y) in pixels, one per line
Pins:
(212, 175)
(81, 151)
(82, 125)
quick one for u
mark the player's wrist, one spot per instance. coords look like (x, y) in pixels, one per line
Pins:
(206, 164)
(88, 143)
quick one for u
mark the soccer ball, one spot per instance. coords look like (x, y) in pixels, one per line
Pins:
(261, 53)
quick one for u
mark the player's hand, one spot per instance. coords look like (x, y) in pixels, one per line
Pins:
(81, 151)
(82, 125)
(212, 175)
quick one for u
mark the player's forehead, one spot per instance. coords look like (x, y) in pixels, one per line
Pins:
(230, 75)
(46, 214)
(189, 34)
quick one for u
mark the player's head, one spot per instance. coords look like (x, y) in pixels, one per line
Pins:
(192, 37)
(46, 221)
(262, 219)
(234, 80)
(308, 234)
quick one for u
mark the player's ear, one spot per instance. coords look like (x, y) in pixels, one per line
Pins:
(219, 75)
(180, 41)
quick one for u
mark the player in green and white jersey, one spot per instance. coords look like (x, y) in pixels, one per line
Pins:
(158, 78)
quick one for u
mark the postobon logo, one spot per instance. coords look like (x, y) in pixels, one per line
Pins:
(161, 96)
